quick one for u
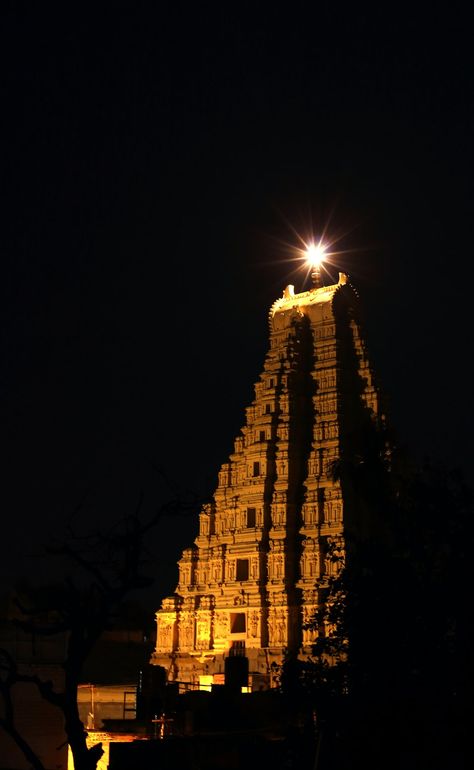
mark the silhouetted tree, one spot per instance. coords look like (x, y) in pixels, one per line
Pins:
(392, 665)
(107, 567)
(9, 677)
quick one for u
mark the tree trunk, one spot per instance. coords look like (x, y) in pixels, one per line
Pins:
(84, 758)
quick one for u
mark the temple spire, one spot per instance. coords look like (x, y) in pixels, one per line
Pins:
(249, 586)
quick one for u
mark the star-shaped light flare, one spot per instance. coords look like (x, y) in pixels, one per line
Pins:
(315, 254)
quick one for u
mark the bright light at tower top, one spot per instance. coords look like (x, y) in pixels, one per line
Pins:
(315, 254)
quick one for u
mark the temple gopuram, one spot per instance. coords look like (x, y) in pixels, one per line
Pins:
(266, 543)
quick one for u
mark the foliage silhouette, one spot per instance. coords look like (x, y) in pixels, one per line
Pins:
(392, 662)
(106, 567)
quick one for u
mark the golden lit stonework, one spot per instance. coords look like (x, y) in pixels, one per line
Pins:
(250, 581)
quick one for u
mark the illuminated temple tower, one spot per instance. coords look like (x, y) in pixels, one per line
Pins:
(250, 581)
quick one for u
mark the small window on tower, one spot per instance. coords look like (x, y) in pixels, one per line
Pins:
(251, 517)
(268, 408)
(271, 384)
(242, 572)
(262, 435)
(237, 622)
(256, 468)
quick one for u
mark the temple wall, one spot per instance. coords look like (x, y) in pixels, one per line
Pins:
(268, 538)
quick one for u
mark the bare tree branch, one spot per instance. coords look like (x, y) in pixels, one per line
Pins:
(112, 563)
(9, 676)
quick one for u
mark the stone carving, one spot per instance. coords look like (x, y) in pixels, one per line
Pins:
(221, 625)
(310, 513)
(333, 557)
(186, 632)
(277, 626)
(278, 514)
(184, 574)
(166, 624)
(309, 635)
(204, 524)
(278, 566)
(216, 571)
(254, 569)
(288, 482)
(253, 622)
(203, 630)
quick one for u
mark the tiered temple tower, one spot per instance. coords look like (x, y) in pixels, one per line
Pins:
(266, 543)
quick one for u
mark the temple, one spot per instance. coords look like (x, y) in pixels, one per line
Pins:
(266, 543)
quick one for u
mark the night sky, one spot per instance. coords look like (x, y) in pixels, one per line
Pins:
(156, 166)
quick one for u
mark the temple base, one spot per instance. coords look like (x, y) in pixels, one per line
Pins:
(195, 671)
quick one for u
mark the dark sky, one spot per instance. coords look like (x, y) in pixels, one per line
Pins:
(154, 161)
